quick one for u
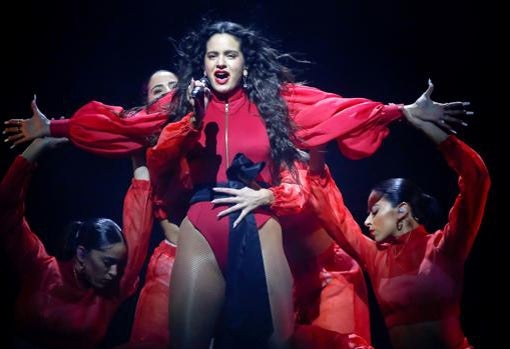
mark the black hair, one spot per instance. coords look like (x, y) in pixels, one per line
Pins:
(266, 79)
(93, 234)
(425, 208)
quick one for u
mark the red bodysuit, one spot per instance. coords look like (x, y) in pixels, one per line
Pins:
(418, 278)
(52, 310)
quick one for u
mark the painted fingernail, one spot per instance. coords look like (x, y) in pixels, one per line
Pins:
(466, 103)
(454, 132)
(464, 123)
(470, 113)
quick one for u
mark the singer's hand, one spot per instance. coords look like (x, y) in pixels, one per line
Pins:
(198, 99)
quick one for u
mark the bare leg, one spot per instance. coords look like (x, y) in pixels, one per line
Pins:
(279, 283)
(198, 290)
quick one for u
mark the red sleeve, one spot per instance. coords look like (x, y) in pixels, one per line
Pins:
(99, 128)
(290, 196)
(358, 125)
(467, 212)
(19, 243)
(167, 163)
(137, 226)
(327, 202)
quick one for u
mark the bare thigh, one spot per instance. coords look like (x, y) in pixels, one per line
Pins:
(279, 283)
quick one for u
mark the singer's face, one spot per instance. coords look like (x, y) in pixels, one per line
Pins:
(224, 62)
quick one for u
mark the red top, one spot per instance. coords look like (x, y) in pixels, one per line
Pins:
(417, 277)
(52, 309)
(358, 124)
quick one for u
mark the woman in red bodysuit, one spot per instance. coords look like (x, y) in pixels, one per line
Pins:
(69, 304)
(251, 111)
(416, 275)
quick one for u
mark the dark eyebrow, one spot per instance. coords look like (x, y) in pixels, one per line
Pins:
(158, 85)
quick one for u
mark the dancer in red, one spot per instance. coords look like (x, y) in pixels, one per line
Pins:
(416, 275)
(330, 295)
(69, 304)
(150, 323)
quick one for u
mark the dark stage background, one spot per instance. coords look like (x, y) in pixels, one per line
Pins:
(71, 52)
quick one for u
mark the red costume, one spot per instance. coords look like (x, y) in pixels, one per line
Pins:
(52, 309)
(235, 126)
(150, 326)
(330, 295)
(417, 279)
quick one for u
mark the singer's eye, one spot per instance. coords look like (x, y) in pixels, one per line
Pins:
(212, 55)
(232, 55)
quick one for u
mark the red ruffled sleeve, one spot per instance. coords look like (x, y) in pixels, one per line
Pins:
(290, 196)
(467, 212)
(137, 227)
(100, 129)
(358, 125)
(19, 243)
(167, 164)
(327, 202)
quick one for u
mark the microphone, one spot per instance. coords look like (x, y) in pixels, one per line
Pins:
(198, 94)
(198, 91)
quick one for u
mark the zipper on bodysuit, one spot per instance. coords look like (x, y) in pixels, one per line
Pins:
(227, 159)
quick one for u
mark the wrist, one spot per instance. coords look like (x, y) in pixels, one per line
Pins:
(268, 197)
(410, 111)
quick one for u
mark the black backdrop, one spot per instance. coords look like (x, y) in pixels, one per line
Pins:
(70, 52)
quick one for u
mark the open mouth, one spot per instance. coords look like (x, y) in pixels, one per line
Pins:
(221, 77)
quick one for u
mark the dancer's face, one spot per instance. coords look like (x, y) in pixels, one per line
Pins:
(382, 217)
(103, 266)
(160, 84)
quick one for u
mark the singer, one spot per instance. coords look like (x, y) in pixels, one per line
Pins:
(254, 110)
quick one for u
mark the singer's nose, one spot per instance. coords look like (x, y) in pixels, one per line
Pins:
(221, 62)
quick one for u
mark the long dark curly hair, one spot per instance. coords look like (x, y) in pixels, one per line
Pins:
(266, 79)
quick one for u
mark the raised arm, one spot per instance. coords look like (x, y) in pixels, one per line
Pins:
(95, 127)
(474, 182)
(358, 125)
(137, 225)
(18, 242)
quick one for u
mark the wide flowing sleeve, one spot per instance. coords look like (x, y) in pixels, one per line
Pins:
(100, 129)
(466, 215)
(137, 227)
(358, 125)
(167, 163)
(327, 202)
(22, 247)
